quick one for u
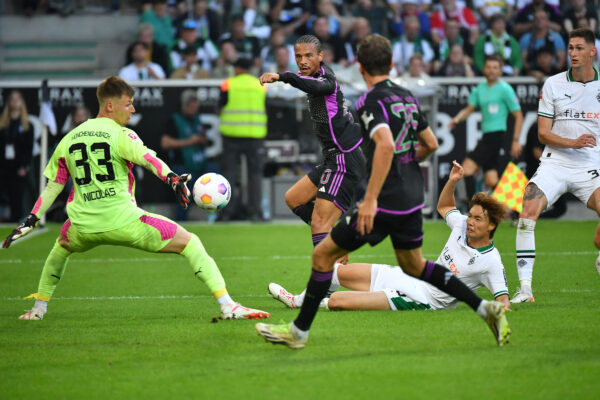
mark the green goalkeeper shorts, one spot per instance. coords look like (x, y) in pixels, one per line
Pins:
(151, 232)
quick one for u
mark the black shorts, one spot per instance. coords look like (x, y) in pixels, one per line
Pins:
(487, 152)
(405, 230)
(339, 176)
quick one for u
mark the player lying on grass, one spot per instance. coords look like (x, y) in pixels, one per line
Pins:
(99, 156)
(469, 253)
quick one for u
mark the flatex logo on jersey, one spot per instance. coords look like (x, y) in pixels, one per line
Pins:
(571, 113)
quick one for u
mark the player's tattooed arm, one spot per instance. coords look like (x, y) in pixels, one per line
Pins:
(532, 192)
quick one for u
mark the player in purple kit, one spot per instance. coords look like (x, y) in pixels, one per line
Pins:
(398, 138)
(320, 197)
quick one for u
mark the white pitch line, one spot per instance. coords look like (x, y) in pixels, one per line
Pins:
(162, 259)
(200, 296)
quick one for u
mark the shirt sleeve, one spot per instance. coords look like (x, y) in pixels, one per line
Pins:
(322, 85)
(494, 277)
(473, 97)
(546, 105)
(512, 102)
(56, 170)
(373, 116)
(454, 218)
(131, 148)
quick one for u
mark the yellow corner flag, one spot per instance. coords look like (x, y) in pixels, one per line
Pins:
(511, 187)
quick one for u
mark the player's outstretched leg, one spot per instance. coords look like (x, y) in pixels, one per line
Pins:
(54, 268)
(206, 270)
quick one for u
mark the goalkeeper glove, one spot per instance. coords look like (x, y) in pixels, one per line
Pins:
(178, 183)
(21, 230)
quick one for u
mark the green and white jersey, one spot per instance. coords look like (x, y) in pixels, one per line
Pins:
(99, 156)
(475, 267)
(495, 103)
(575, 108)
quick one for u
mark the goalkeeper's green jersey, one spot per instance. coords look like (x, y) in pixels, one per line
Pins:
(99, 156)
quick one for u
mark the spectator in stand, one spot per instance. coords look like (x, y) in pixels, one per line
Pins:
(497, 41)
(321, 31)
(580, 10)
(207, 21)
(160, 19)
(276, 40)
(185, 141)
(329, 58)
(488, 8)
(416, 69)
(283, 61)
(255, 23)
(191, 69)
(454, 34)
(456, 64)
(411, 8)
(79, 115)
(157, 53)
(292, 15)
(524, 21)
(16, 148)
(205, 48)
(411, 43)
(224, 65)
(140, 68)
(361, 29)
(396, 6)
(246, 46)
(326, 9)
(450, 10)
(542, 36)
(544, 64)
(375, 14)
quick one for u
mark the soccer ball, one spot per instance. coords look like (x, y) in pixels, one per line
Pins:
(212, 191)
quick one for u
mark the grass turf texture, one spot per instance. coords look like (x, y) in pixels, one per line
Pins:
(127, 324)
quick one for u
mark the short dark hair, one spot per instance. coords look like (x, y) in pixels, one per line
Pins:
(497, 17)
(113, 87)
(586, 33)
(375, 54)
(494, 210)
(494, 57)
(310, 39)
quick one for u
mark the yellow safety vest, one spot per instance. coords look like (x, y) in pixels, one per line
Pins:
(245, 114)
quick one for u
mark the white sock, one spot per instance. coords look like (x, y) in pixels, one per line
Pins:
(335, 281)
(299, 299)
(525, 250)
(525, 285)
(225, 299)
(298, 333)
(481, 309)
(40, 305)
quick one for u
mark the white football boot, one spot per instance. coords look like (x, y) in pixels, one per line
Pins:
(238, 311)
(279, 293)
(34, 314)
(523, 295)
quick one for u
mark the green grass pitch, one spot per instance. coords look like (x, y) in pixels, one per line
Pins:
(125, 324)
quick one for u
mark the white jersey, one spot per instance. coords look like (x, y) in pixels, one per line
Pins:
(474, 267)
(575, 108)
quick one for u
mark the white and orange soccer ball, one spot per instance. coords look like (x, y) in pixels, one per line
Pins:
(212, 191)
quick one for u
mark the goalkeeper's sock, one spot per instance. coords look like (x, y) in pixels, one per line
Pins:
(54, 268)
(315, 292)
(443, 279)
(305, 211)
(525, 250)
(205, 268)
(225, 299)
(318, 238)
(40, 305)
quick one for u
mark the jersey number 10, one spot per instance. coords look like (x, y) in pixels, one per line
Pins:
(83, 162)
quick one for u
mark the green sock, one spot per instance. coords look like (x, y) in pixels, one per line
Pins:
(204, 266)
(54, 268)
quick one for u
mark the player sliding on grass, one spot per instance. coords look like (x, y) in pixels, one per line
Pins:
(99, 155)
(320, 197)
(469, 253)
(399, 137)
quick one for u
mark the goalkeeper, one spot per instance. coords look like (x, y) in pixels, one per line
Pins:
(99, 156)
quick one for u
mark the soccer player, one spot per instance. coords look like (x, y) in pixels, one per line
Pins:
(469, 253)
(568, 121)
(399, 137)
(99, 155)
(495, 98)
(320, 197)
